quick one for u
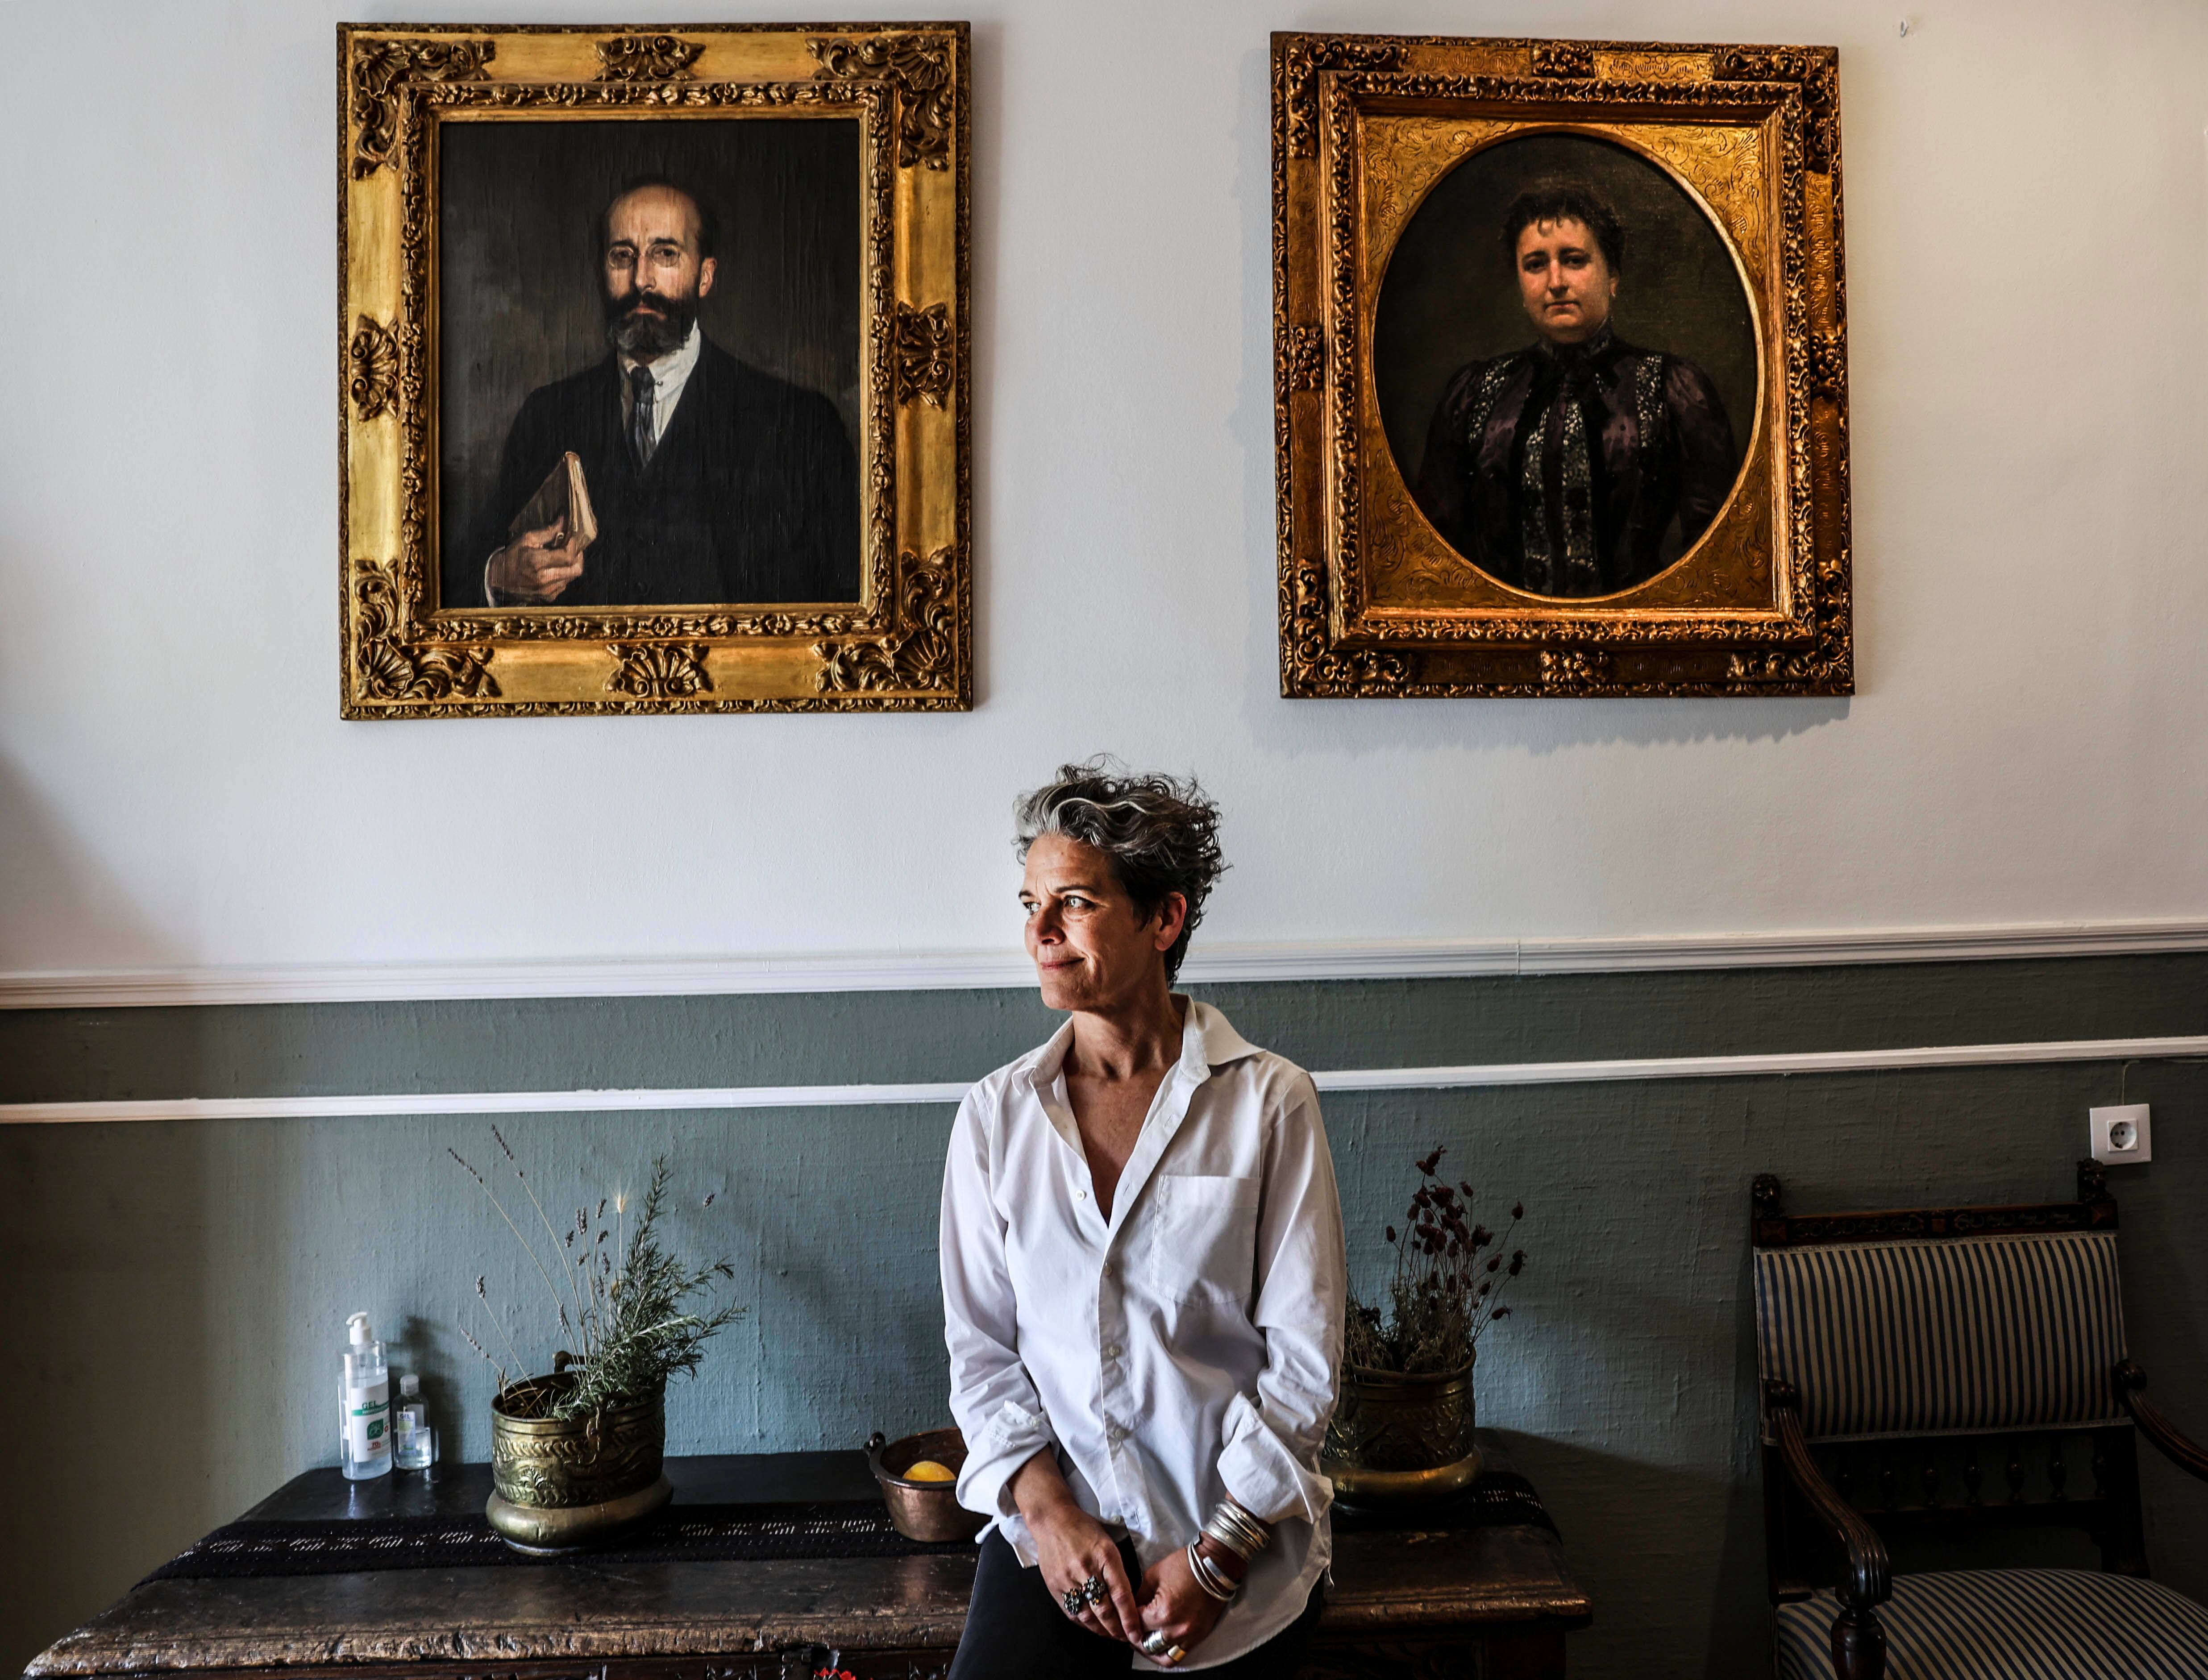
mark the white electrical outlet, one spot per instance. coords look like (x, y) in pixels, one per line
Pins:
(2120, 1135)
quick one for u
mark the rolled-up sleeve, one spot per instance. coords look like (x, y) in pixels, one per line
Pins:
(992, 1396)
(1273, 1439)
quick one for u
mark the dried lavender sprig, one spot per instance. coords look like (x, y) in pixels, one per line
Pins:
(484, 1295)
(493, 1196)
(545, 1220)
(488, 1359)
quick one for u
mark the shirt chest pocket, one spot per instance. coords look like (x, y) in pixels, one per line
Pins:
(1202, 1243)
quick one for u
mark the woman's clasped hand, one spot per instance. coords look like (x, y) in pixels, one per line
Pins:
(1082, 1565)
(1080, 1561)
(1174, 1605)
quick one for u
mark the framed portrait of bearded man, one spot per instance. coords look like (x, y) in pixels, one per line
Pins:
(1560, 374)
(653, 369)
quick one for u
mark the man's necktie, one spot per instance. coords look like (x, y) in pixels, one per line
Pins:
(641, 437)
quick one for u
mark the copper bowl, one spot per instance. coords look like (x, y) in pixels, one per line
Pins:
(923, 1510)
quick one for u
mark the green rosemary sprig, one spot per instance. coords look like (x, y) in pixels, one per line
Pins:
(640, 1323)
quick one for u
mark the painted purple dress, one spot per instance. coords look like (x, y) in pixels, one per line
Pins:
(1576, 469)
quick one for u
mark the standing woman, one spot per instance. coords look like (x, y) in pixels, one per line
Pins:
(1143, 1281)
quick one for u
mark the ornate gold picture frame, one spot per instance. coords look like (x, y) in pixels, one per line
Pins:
(1473, 502)
(759, 484)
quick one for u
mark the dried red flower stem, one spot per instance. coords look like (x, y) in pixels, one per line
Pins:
(1446, 1288)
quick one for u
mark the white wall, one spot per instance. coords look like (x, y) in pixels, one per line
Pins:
(2025, 199)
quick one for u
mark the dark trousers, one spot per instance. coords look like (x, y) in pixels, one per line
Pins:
(1016, 1630)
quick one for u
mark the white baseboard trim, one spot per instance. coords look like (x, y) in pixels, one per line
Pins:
(874, 1096)
(1359, 959)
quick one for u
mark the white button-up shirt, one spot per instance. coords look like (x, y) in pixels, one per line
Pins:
(1187, 1348)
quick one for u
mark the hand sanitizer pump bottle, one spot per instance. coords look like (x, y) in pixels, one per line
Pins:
(365, 1398)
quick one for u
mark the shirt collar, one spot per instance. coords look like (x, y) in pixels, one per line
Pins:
(1208, 1040)
(669, 370)
(1221, 1043)
(1046, 1059)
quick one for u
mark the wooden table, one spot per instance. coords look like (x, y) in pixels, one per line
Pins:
(1491, 1602)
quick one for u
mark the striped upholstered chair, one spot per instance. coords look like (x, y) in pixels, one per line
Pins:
(1932, 1372)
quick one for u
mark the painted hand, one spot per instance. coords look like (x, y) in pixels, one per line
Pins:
(537, 565)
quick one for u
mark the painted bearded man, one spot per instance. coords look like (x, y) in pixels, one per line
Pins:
(712, 480)
(1561, 469)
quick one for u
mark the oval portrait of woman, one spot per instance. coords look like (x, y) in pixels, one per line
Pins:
(1565, 359)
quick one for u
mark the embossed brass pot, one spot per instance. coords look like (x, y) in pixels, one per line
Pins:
(1401, 1439)
(564, 1482)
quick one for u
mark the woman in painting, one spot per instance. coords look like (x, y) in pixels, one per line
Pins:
(1143, 1281)
(1561, 469)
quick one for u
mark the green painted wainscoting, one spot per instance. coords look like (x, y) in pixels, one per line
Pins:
(177, 1290)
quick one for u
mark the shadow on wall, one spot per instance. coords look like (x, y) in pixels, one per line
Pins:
(1623, 1521)
(113, 1388)
(59, 906)
(113, 1394)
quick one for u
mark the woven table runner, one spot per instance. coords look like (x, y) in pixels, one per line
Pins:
(695, 1533)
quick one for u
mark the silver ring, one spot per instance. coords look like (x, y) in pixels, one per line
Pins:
(1073, 1598)
(1154, 1644)
(1094, 1590)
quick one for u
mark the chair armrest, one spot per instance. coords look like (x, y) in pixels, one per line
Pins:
(1868, 1577)
(2186, 1455)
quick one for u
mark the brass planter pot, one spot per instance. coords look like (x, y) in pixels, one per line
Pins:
(1398, 1440)
(563, 1484)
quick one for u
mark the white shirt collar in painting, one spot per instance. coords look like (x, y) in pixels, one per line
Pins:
(1070, 1331)
(669, 375)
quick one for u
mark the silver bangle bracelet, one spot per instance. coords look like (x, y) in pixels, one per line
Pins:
(1236, 1530)
(1234, 1543)
(1260, 1536)
(1221, 1526)
(1209, 1576)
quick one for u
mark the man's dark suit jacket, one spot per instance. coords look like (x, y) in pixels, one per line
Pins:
(753, 495)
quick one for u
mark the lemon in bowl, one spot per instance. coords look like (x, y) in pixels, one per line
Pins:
(918, 1476)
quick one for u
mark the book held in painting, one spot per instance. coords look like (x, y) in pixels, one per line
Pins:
(563, 495)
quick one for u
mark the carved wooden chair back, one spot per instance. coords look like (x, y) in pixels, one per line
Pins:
(1952, 1370)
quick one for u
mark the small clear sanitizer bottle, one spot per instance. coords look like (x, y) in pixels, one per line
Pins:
(365, 1401)
(413, 1442)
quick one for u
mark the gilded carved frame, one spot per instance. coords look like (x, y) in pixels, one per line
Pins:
(907, 645)
(1373, 602)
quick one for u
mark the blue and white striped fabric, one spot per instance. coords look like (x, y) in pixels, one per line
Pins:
(1972, 1333)
(2013, 1624)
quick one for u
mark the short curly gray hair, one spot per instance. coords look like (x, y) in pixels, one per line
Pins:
(1160, 833)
